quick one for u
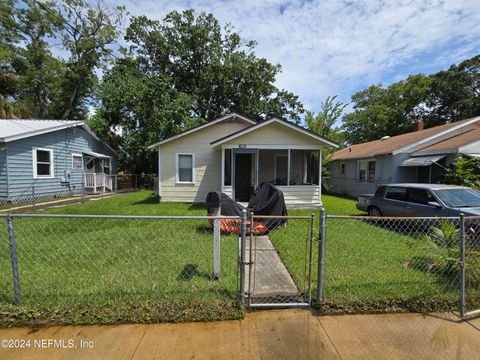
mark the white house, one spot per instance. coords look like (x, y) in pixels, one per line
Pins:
(234, 155)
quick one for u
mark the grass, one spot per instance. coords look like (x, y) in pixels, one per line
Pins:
(369, 267)
(96, 270)
(81, 271)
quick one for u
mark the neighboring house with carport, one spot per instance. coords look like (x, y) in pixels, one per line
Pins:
(420, 156)
(52, 158)
(234, 154)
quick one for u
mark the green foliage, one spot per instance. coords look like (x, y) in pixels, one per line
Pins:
(323, 124)
(44, 85)
(182, 72)
(455, 93)
(464, 171)
(379, 111)
(449, 95)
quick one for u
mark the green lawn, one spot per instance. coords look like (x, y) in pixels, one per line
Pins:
(110, 271)
(125, 269)
(368, 267)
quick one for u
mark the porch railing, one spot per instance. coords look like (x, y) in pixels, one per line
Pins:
(95, 181)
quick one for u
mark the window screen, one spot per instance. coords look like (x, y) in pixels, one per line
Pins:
(77, 162)
(185, 168)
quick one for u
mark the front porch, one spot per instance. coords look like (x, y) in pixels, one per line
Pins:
(295, 170)
(97, 176)
(99, 183)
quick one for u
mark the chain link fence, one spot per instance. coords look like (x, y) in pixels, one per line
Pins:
(75, 260)
(92, 184)
(349, 264)
(136, 182)
(375, 264)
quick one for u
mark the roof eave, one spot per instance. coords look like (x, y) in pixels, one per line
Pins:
(233, 136)
(432, 137)
(200, 127)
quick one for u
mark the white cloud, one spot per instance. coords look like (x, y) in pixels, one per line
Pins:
(337, 47)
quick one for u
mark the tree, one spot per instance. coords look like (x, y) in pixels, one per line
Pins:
(446, 96)
(37, 69)
(87, 33)
(44, 85)
(379, 111)
(323, 123)
(455, 93)
(181, 72)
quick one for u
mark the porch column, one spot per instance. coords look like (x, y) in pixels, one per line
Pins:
(257, 164)
(320, 176)
(159, 175)
(288, 168)
(222, 175)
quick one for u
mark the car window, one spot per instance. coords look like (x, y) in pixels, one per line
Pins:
(396, 193)
(381, 191)
(459, 197)
(420, 196)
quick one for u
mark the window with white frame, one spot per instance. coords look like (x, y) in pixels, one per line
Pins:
(42, 163)
(185, 168)
(366, 170)
(77, 161)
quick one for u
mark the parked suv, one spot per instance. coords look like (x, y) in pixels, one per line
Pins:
(421, 200)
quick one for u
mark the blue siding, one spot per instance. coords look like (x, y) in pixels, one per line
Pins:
(3, 172)
(63, 143)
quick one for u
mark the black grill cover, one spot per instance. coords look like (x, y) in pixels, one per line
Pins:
(228, 206)
(268, 200)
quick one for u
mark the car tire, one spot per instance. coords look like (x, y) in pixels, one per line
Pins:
(374, 211)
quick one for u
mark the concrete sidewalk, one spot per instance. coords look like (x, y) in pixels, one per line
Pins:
(292, 334)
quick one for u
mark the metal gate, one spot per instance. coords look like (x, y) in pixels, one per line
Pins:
(279, 259)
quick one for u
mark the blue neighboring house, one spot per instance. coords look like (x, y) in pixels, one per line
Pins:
(52, 158)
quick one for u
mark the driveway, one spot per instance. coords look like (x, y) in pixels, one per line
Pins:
(287, 334)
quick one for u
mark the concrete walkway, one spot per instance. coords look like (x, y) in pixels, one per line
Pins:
(292, 334)
(270, 281)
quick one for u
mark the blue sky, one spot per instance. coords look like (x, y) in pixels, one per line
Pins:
(339, 47)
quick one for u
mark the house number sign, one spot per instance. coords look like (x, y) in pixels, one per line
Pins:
(242, 146)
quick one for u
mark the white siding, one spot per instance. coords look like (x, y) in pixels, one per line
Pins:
(207, 163)
(274, 134)
(227, 190)
(300, 194)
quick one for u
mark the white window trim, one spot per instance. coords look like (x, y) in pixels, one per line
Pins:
(177, 168)
(276, 156)
(34, 162)
(78, 155)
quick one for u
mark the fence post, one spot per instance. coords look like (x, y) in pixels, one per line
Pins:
(243, 243)
(462, 265)
(116, 183)
(216, 246)
(136, 182)
(250, 257)
(310, 259)
(321, 254)
(13, 255)
(33, 198)
(82, 194)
